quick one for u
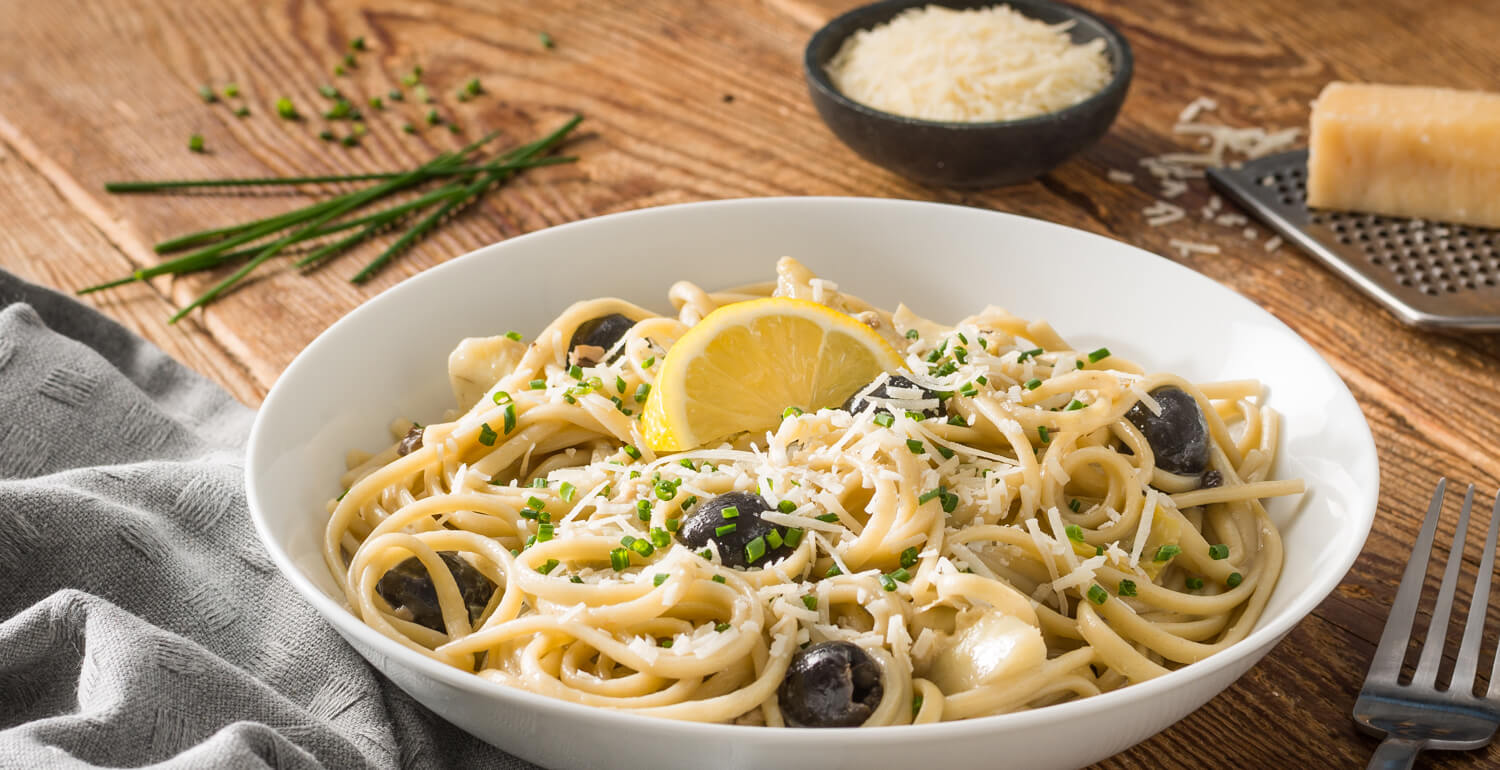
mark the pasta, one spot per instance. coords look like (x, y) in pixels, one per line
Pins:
(1009, 524)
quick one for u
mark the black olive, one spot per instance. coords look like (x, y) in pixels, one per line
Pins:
(602, 332)
(859, 403)
(830, 684)
(411, 442)
(705, 523)
(1178, 436)
(1213, 479)
(409, 586)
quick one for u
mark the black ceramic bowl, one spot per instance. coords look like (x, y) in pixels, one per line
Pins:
(946, 154)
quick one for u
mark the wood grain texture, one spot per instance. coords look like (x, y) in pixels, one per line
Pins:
(691, 100)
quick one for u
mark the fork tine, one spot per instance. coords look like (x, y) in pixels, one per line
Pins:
(1386, 665)
(1437, 630)
(1479, 608)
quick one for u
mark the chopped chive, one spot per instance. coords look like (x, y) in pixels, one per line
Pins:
(286, 109)
(635, 454)
(688, 503)
(473, 87)
(916, 705)
(395, 95)
(543, 532)
(327, 136)
(641, 392)
(935, 356)
(949, 501)
(1033, 384)
(915, 446)
(833, 571)
(945, 452)
(961, 355)
(718, 579)
(1166, 552)
(793, 537)
(1075, 505)
(339, 71)
(231, 90)
(350, 62)
(547, 568)
(1044, 434)
(901, 574)
(643, 547)
(408, 128)
(774, 539)
(1127, 588)
(575, 579)
(207, 94)
(619, 384)
(566, 491)
(724, 529)
(929, 495)
(539, 483)
(1077, 364)
(673, 524)
(729, 512)
(721, 627)
(359, 129)
(791, 411)
(643, 510)
(659, 579)
(914, 416)
(576, 372)
(536, 502)
(510, 418)
(1075, 533)
(195, 143)
(887, 582)
(328, 91)
(527, 513)
(828, 517)
(755, 549)
(376, 103)
(619, 558)
(1025, 354)
(241, 111)
(1098, 550)
(809, 601)
(350, 141)
(357, 44)
(487, 435)
(1097, 594)
(786, 506)
(686, 463)
(1073, 406)
(1219, 551)
(649, 362)
(955, 420)
(660, 537)
(909, 557)
(884, 419)
(1234, 579)
(912, 334)
(538, 384)
(546, 40)
(1098, 355)
(433, 118)
(1193, 583)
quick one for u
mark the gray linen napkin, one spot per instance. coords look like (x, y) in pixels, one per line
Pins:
(141, 622)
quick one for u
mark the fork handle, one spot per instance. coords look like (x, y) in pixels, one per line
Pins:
(1396, 753)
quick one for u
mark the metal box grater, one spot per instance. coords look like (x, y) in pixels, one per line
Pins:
(1430, 274)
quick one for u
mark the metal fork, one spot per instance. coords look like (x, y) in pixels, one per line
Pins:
(1418, 715)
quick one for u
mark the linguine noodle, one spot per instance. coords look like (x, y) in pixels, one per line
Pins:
(1022, 550)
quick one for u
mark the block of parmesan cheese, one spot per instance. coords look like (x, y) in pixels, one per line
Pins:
(1406, 151)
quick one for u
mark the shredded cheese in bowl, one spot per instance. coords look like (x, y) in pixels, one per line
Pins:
(978, 65)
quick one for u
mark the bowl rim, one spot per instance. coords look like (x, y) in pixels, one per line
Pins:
(1252, 646)
(817, 74)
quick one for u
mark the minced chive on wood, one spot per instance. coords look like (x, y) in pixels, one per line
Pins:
(546, 40)
(195, 143)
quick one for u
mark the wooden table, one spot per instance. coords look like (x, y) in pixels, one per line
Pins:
(698, 100)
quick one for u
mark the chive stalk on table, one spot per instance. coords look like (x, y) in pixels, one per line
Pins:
(220, 246)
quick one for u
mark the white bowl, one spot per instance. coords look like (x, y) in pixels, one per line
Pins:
(388, 358)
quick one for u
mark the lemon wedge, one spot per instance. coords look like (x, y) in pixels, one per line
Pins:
(741, 367)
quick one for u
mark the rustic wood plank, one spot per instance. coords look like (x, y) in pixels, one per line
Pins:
(690, 100)
(45, 241)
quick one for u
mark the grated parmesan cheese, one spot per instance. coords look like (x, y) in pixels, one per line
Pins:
(974, 65)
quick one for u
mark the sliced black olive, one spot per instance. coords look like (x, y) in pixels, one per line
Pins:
(411, 442)
(1213, 479)
(409, 586)
(859, 403)
(830, 684)
(733, 535)
(1178, 436)
(602, 333)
